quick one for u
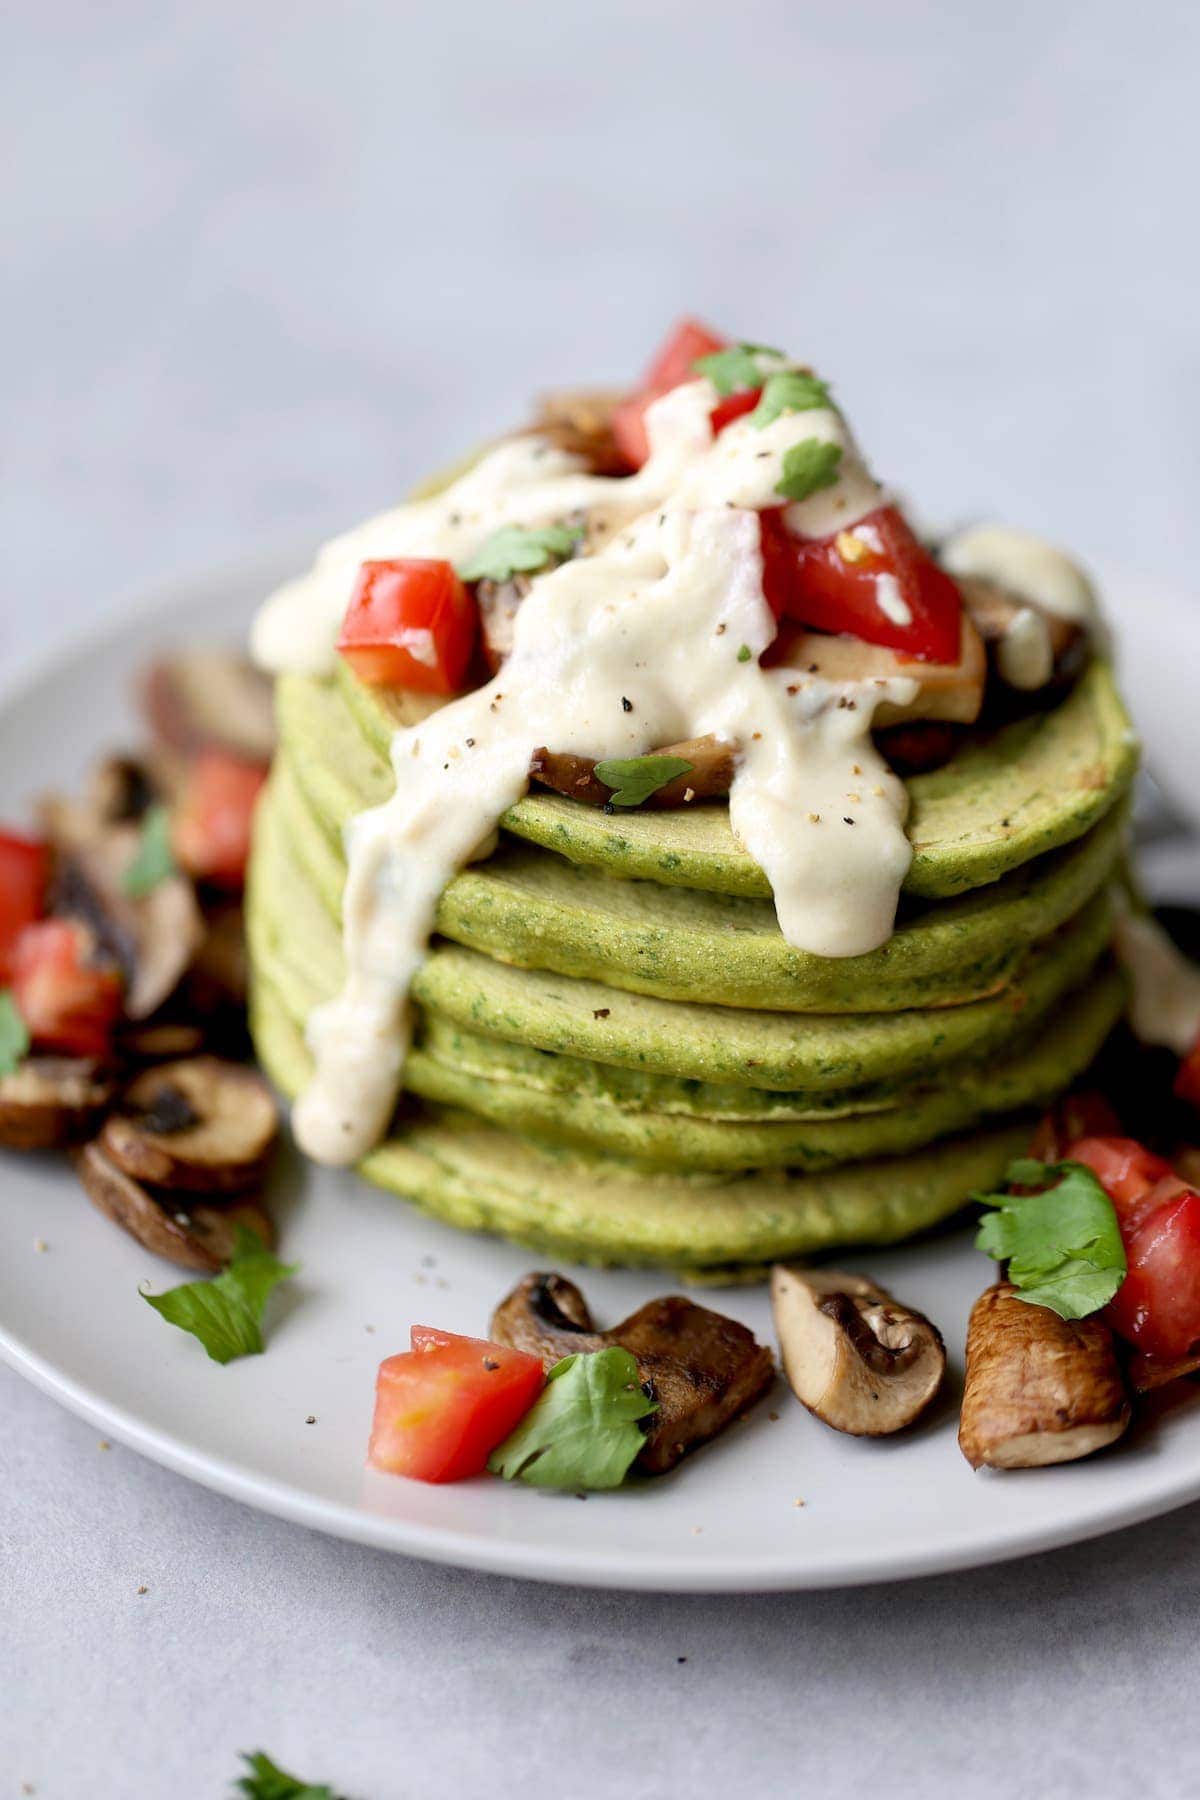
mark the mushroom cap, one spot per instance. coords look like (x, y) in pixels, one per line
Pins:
(200, 1125)
(853, 1355)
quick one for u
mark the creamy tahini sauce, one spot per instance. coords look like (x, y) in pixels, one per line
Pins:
(1028, 568)
(1164, 1006)
(652, 636)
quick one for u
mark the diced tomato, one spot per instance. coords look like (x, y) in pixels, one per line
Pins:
(1125, 1169)
(69, 1002)
(833, 583)
(1073, 1117)
(1187, 1081)
(1158, 1304)
(211, 825)
(674, 364)
(410, 624)
(443, 1406)
(24, 872)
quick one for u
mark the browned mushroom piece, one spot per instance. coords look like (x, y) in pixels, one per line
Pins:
(160, 1040)
(1146, 1373)
(1039, 1389)
(50, 1101)
(499, 602)
(711, 772)
(201, 699)
(579, 420)
(196, 1235)
(854, 1356)
(121, 789)
(702, 1368)
(951, 692)
(200, 1126)
(152, 937)
(994, 612)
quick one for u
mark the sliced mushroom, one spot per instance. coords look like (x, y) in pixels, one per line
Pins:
(161, 1040)
(952, 692)
(917, 748)
(499, 603)
(702, 1368)
(200, 1126)
(1039, 1389)
(50, 1101)
(853, 1355)
(1146, 1373)
(579, 420)
(711, 772)
(196, 1235)
(154, 937)
(210, 699)
(1024, 642)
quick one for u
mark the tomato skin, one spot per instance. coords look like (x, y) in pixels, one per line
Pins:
(1125, 1169)
(1187, 1081)
(411, 623)
(814, 582)
(24, 874)
(443, 1406)
(212, 823)
(673, 365)
(68, 1004)
(1158, 1304)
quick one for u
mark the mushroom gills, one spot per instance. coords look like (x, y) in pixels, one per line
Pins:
(1039, 1389)
(702, 1368)
(197, 1126)
(854, 1356)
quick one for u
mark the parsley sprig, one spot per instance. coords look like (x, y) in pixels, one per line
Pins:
(14, 1035)
(266, 1781)
(514, 551)
(1062, 1244)
(735, 370)
(807, 468)
(584, 1430)
(226, 1312)
(634, 778)
(790, 391)
(154, 860)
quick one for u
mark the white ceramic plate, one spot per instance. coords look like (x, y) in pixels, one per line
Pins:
(778, 1502)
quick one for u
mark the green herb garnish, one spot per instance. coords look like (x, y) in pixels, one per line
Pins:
(514, 551)
(634, 778)
(266, 1781)
(583, 1430)
(1063, 1245)
(745, 653)
(14, 1035)
(734, 370)
(226, 1312)
(808, 467)
(790, 391)
(154, 860)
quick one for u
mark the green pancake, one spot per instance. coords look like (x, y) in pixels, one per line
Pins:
(567, 1204)
(529, 908)
(717, 1060)
(1001, 801)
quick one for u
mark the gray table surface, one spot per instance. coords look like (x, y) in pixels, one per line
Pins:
(262, 264)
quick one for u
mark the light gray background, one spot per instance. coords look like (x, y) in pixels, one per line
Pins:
(264, 262)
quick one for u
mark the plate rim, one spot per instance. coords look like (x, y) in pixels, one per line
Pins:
(629, 1570)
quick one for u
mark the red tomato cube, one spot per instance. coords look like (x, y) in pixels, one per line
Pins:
(68, 1003)
(443, 1406)
(1125, 1169)
(410, 624)
(674, 364)
(211, 826)
(1158, 1304)
(24, 873)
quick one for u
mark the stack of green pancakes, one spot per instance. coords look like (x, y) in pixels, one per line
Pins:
(618, 1058)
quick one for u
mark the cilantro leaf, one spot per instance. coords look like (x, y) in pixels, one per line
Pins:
(514, 551)
(226, 1312)
(744, 653)
(14, 1035)
(808, 467)
(582, 1431)
(1063, 1245)
(266, 1781)
(734, 370)
(790, 391)
(154, 860)
(634, 778)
